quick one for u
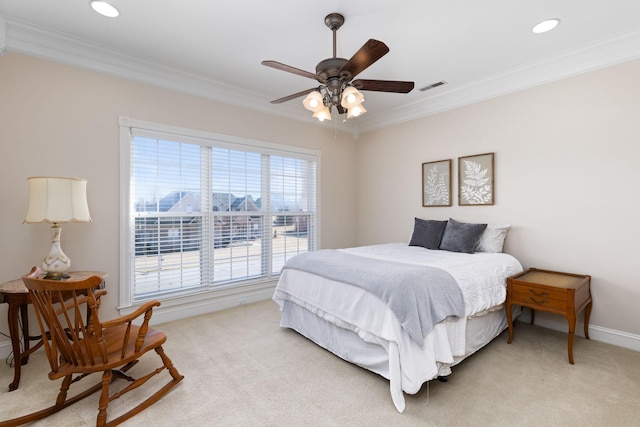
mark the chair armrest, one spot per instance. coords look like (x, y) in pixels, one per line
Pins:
(99, 293)
(147, 310)
(132, 316)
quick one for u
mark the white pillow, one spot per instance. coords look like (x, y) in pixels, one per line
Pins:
(492, 240)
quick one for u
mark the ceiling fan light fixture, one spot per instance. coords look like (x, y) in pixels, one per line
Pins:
(350, 97)
(335, 75)
(104, 8)
(323, 114)
(314, 101)
(355, 111)
(546, 25)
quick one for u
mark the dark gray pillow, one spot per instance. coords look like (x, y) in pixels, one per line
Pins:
(461, 236)
(427, 233)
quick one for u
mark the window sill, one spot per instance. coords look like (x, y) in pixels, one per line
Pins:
(182, 307)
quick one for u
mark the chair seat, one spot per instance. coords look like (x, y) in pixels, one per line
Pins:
(113, 338)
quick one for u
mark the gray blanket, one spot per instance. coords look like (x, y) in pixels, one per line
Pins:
(420, 296)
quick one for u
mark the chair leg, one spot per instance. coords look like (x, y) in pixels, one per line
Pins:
(176, 378)
(104, 399)
(64, 388)
(169, 364)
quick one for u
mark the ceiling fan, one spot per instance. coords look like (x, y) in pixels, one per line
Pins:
(335, 76)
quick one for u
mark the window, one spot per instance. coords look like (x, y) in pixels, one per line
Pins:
(203, 212)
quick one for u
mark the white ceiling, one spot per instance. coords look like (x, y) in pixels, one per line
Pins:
(214, 48)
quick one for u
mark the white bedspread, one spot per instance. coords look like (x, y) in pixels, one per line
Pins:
(481, 277)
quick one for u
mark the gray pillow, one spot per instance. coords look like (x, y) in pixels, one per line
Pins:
(427, 233)
(461, 237)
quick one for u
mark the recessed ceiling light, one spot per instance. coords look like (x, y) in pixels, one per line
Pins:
(546, 25)
(104, 8)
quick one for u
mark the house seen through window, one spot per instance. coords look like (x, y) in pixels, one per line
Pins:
(206, 212)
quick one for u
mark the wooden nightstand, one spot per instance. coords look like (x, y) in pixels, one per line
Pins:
(552, 291)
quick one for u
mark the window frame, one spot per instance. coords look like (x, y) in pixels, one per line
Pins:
(204, 299)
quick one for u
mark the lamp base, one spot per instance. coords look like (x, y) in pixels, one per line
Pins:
(56, 262)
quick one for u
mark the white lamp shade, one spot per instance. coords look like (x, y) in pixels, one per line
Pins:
(57, 200)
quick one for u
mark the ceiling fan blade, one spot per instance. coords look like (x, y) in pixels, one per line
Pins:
(369, 53)
(288, 68)
(383, 85)
(294, 96)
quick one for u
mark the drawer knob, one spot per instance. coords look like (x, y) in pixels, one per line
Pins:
(544, 301)
(538, 294)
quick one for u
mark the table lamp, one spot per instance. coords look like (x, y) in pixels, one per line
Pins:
(57, 200)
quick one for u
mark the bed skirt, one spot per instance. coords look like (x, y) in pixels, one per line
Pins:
(374, 356)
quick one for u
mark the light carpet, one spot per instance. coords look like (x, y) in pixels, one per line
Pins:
(242, 369)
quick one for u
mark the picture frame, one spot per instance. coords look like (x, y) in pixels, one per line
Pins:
(476, 180)
(436, 183)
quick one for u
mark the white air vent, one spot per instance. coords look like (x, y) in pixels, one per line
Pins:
(433, 85)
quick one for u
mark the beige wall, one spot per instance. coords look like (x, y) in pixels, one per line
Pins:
(565, 170)
(567, 177)
(60, 120)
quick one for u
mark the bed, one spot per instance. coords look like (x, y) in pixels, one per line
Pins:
(356, 323)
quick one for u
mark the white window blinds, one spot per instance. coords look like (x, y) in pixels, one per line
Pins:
(205, 212)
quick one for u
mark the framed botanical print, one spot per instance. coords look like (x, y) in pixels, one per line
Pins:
(475, 180)
(436, 183)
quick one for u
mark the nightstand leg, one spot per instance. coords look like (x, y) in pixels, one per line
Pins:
(570, 348)
(572, 331)
(587, 315)
(14, 333)
(24, 316)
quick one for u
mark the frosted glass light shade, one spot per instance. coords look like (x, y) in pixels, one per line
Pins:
(350, 97)
(355, 111)
(322, 114)
(314, 101)
(56, 200)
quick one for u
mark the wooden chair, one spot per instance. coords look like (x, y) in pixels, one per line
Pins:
(79, 344)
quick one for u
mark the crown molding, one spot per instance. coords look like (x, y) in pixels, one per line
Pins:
(21, 37)
(605, 53)
(31, 40)
(40, 42)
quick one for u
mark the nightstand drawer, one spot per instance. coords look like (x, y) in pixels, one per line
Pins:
(529, 293)
(536, 301)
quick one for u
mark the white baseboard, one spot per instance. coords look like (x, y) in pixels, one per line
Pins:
(596, 333)
(170, 313)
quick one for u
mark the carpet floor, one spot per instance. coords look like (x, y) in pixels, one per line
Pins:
(242, 369)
